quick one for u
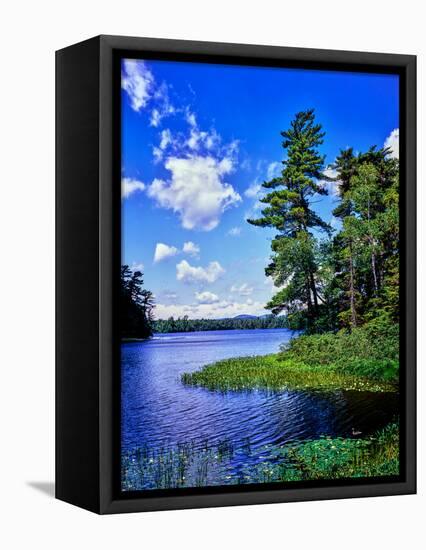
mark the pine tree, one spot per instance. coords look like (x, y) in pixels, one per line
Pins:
(136, 305)
(294, 263)
(366, 248)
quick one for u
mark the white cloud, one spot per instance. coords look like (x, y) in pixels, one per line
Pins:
(166, 138)
(232, 148)
(158, 154)
(242, 290)
(253, 190)
(155, 118)
(273, 170)
(234, 231)
(196, 191)
(331, 186)
(163, 105)
(191, 248)
(129, 186)
(217, 310)
(195, 138)
(190, 118)
(138, 82)
(210, 140)
(206, 297)
(137, 267)
(392, 141)
(164, 251)
(169, 295)
(190, 274)
(213, 140)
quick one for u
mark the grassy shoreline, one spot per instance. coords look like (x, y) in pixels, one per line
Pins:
(364, 360)
(271, 372)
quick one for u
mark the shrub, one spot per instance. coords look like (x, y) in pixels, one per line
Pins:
(371, 350)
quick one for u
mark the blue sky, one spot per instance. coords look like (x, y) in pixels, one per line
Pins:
(198, 140)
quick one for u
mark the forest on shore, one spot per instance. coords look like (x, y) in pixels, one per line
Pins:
(337, 284)
(327, 279)
(331, 279)
(341, 287)
(137, 314)
(184, 324)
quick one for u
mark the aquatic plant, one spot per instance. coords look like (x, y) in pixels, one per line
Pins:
(184, 465)
(365, 360)
(192, 465)
(273, 373)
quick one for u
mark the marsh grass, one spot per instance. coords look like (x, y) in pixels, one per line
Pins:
(184, 465)
(366, 359)
(371, 351)
(274, 372)
(337, 458)
(191, 465)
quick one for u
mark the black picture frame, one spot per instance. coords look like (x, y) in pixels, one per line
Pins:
(88, 173)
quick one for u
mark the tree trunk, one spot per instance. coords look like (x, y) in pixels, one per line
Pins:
(314, 291)
(309, 299)
(373, 267)
(373, 256)
(352, 287)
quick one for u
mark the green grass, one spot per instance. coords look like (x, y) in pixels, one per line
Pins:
(272, 372)
(337, 458)
(371, 351)
(188, 465)
(364, 360)
(184, 465)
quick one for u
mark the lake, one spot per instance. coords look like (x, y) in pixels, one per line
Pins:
(159, 412)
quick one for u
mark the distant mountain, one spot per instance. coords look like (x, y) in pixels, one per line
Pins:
(245, 317)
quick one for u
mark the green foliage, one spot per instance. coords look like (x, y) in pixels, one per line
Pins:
(366, 359)
(191, 465)
(375, 369)
(338, 458)
(184, 465)
(377, 343)
(294, 263)
(271, 372)
(343, 282)
(366, 250)
(185, 324)
(136, 305)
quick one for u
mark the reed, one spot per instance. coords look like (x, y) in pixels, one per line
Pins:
(273, 372)
(194, 465)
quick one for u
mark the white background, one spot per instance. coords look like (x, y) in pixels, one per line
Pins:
(30, 32)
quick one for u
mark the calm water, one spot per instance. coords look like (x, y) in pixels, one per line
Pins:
(159, 411)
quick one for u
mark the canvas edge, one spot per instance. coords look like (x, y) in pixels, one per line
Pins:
(107, 503)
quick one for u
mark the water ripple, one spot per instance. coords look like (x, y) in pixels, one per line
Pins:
(158, 410)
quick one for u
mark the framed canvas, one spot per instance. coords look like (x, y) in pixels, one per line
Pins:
(235, 274)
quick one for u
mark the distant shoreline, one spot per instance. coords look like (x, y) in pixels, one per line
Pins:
(241, 322)
(129, 340)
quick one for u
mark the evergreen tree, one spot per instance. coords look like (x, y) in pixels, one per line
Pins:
(366, 250)
(294, 262)
(136, 305)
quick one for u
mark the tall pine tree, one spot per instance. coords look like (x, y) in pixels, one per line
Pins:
(366, 248)
(294, 262)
